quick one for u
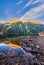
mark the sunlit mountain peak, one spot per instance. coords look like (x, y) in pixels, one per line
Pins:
(18, 20)
(33, 21)
(13, 21)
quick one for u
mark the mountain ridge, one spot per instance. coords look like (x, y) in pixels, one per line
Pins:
(15, 20)
(20, 28)
(18, 20)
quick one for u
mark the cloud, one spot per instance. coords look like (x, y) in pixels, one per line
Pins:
(31, 2)
(19, 2)
(34, 12)
(27, 4)
(38, 1)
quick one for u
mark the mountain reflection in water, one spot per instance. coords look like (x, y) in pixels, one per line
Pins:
(20, 53)
(13, 56)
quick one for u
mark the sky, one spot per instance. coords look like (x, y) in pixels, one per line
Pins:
(22, 9)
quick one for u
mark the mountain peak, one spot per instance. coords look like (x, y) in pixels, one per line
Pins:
(13, 21)
(18, 20)
(33, 21)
